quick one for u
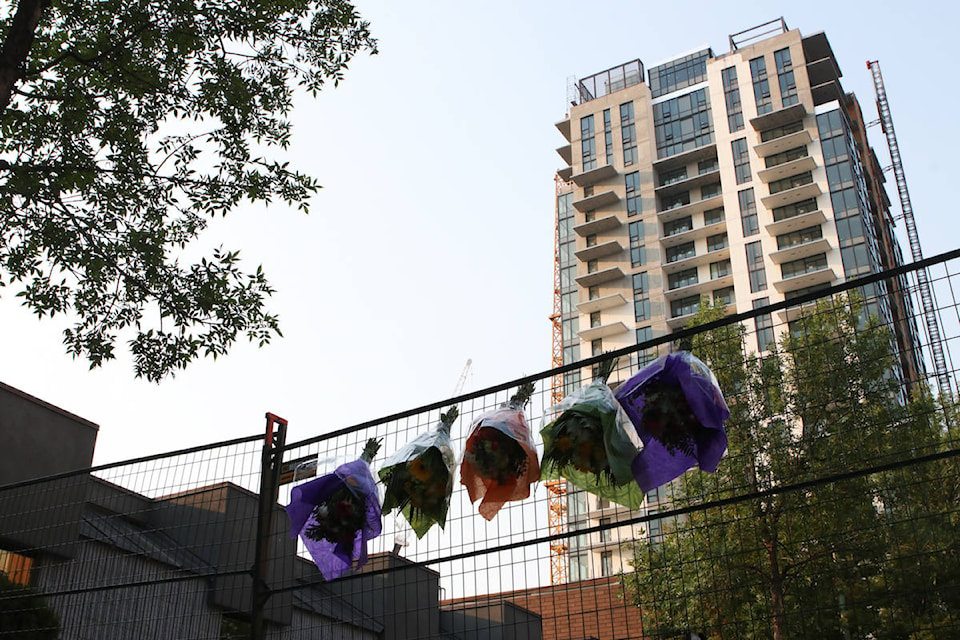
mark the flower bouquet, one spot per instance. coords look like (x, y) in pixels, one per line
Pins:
(335, 515)
(587, 443)
(419, 477)
(499, 459)
(677, 408)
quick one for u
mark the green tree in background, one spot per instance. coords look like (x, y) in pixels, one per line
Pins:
(24, 614)
(829, 561)
(125, 126)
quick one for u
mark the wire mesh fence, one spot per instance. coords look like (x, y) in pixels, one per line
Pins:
(832, 514)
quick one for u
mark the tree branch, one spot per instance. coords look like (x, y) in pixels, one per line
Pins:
(16, 46)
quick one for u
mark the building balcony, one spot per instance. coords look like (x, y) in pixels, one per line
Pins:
(613, 301)
(680, 322)
(820, 245)
(694, 234)
(690, 209)
(794, 313)
(600, 225)
(599, 277)
(565, 173)
(614, 511)
(790, 196)
(778, 145)
(703, 287)
(603, 331)
(564, 128)
(803, 280)
(566, 153)
(778, 118)
(599, 251)
(594, 176)
(596, 201)
(807, 163)
(689, 183)
(685, 158)
(696, 261)
(795, 223)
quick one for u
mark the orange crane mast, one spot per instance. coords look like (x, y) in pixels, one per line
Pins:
(557, 489)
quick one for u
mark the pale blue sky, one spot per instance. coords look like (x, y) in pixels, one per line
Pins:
(432, 240)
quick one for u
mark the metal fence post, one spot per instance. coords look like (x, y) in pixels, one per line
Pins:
(276, 436)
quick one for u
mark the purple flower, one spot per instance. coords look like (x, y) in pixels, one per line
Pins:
(334, 558)
(676, 435)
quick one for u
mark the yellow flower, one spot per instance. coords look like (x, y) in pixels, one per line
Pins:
(419, 470)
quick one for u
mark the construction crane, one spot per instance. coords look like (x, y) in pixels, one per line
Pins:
(457, 390)
(923, 279)
(557, 489)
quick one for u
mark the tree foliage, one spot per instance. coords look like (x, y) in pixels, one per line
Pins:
(864, 556)
(24, 614)
(125, 127)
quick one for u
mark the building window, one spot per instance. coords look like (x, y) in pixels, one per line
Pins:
(606, 535)
(792, 182)
(593, 292)
(749, 221)
(675, 201)
(16, 567)
(606, 563)
(591, 240)
(731, 94)
(712, 216)
(641, 297)
(578, 568)
(646, 356)
(795, 209)
(801, 236)
(682, 279)
(764, 326)
(755, 268)
(681, 252)
(804, 265)
(608, 136)
(741, 160)
(593, 266)
(680, 73)
(632, 183)
(788, 85)
(787, 156)
(628, 134)
(720, 269)
(596, 347)
(723, 296)
(638, 249)
(682, 123)
(780, 132)
(588, 143)
(684, 306)
(761, 85)
(708, 166)
(595, 320)
(710, 191)
(672, 177)
(717, 242)
(680, 225)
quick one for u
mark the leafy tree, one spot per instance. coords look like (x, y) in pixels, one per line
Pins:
(125, 126)
(24, 614)
(816, 562)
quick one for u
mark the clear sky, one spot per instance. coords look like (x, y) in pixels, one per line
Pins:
(432, 240)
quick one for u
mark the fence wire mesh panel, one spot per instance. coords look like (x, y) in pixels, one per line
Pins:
(833, 513)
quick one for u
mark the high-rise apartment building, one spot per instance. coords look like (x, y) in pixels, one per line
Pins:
(744, 177)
